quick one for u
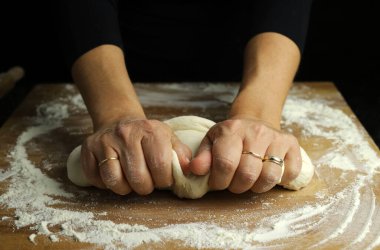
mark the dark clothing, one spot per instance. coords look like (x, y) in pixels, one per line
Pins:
(169, 40)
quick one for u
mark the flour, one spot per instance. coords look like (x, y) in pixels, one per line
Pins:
(32, 238)
(354, 191)
(368, 222)
(318, 119)
(5, 175)
(289, 223)
(37, 198)
(53, 238)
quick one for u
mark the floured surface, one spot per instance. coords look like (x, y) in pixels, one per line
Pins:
(39, 206)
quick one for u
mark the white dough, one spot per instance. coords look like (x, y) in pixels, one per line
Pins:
(190, 130)
(74, 169)
(305, 176)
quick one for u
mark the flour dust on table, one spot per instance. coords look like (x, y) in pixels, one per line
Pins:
(49, 206)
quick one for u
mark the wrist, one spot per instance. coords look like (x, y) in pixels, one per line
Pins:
(257, 104)
(109, 114)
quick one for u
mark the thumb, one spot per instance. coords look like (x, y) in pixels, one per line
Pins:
(183, 153)
(201, 163)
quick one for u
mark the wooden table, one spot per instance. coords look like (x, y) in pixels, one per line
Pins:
(339, 209)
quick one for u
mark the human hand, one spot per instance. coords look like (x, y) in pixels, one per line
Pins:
(139, 153)
(220, 153)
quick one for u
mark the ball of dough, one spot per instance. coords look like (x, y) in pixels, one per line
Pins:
(190, 130)
(74, 169)
(305, 176)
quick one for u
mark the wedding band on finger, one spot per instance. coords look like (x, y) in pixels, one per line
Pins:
(274, 159)
(107, 159)
(253, 154)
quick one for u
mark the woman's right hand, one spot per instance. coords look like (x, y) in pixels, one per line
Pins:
(143, 149)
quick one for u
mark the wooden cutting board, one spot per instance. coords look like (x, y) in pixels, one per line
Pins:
(339, 209)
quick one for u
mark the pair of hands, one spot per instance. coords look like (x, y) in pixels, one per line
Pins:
(144, 151)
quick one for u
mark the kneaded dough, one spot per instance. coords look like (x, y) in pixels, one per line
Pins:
(74, 169)
(190, 130)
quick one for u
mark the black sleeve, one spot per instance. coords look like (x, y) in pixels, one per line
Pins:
(86, 24)
(287, 17)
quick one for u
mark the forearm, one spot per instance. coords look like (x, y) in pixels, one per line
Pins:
(103, 81)
(271, 61)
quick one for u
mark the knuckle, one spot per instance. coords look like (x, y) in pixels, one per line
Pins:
(159, 164)
(87, 144)
(225, 128)
(248, 178)
(149, 126)
(109, 177)
(233, 126)
(136, 178)
(261, 130)
(103, 138)
(225, 165)
(154, 123)
(271, 177)
(160, 170)
(122, 130)
(139, 183)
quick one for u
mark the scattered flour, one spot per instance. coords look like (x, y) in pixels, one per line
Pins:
(368, 222)
(53, 238)
(5, 218)
(34, 196)
(319, 119)
(32, 238)
(5, 175)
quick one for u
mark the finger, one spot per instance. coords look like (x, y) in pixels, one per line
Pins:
(293, 163)
(226, 153)
(271, 173)
(201, 163)
(89, 165)
(135, 169)
(249, 167)
(183, 152)
(158, 156)
(111, 173)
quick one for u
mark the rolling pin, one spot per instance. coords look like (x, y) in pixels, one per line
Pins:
(9, 79)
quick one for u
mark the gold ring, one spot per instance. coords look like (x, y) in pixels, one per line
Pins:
(107, 159)
(274, 159)
(253, 154)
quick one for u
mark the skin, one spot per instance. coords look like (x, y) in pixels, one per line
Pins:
(143, 146)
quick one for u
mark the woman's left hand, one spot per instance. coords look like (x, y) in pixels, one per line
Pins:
(221, 155)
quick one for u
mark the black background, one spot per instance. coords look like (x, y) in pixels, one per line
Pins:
(341, 47)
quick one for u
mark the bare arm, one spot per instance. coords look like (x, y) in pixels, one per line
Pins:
(271, 61)
(104, 83)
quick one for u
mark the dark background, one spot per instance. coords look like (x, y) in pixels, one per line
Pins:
(341, 47)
